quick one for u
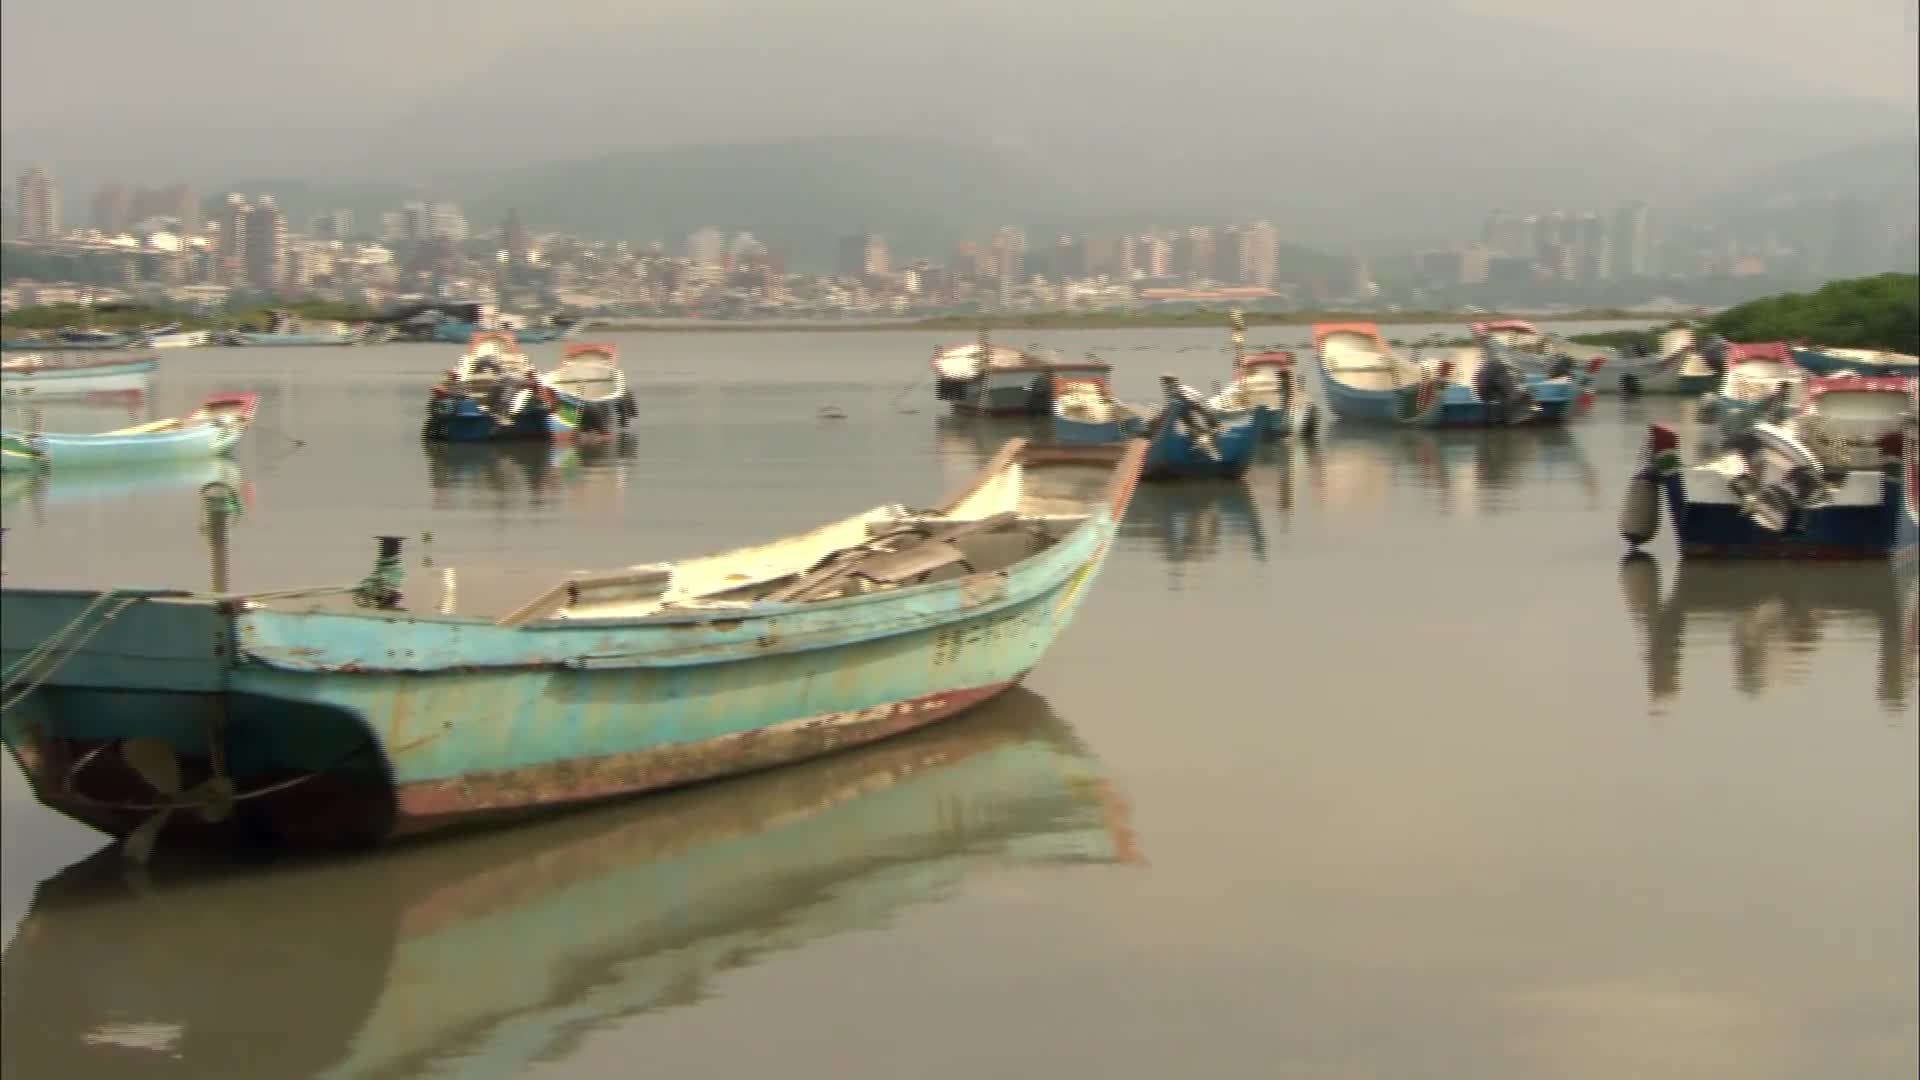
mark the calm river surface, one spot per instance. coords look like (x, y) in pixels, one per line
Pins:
(1381, 764)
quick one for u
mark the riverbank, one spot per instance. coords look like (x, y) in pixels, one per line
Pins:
(1123, 320)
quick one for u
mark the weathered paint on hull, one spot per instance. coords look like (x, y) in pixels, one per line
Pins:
(407, 724)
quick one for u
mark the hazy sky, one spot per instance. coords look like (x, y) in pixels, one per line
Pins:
(213, 91)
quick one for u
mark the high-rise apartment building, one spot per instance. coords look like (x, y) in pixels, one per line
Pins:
(37, 201)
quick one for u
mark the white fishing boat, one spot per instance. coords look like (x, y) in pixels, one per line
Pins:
(1535, 352)
(172, 337)
(591, 385)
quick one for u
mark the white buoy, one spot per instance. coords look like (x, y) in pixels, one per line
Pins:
(1640, 510)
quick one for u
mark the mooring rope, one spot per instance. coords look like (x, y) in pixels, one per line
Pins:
(36, 663)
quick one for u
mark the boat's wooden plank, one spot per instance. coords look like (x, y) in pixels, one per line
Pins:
(894, 567)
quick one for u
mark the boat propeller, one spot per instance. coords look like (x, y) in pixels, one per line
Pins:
(153, 758)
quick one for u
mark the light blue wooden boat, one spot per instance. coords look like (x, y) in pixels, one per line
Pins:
(485, 956)
(214, 428)
(1826, 360)
(1366, 381)
(343, 718)
(47, 377)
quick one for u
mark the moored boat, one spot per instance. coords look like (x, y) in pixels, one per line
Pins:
(1085, 411)
(1827, 360)
(493, 392)
(68, 337)
(283, 329)
(1836, 480)
(591, 389)
(1269, 378)
(47, 376)
(1191, 439)
(997, 380)
(171, 336)
(1367, 381)
(340, 717)
(1534, 352)
(213, 428)
(1759, 382)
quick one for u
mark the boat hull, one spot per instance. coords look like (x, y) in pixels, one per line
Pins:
(81, 379)
(1019, 392)
(350, 728)
(185, 339)
(1820, 362)
(460, 419)
(1083, 433)
(1874, 517)
(250, 339)
(62, 452)
(454, 332)
(1174, 454)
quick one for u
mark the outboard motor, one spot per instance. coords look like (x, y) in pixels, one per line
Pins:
(1501, 389)
(1560, 366)
(1714, 351)
(1782, 480)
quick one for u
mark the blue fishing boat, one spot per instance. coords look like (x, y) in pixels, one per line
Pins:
(1826, 360)
(488, 955)
(342, 716)
(494, 393)
(1835, 481)
(1190, 439)
(1366, 381)
(47, 377)
(1085, 412)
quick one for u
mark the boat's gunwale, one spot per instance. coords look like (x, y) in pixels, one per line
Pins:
(1125, 461)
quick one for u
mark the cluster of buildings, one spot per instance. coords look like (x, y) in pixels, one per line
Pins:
(167, 245)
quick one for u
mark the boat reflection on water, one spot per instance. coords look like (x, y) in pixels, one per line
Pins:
(44, 489)
(478, 955)
(964, 444)
(1776, 617)
(1471, 471)
(587, 475)
(1191, 522)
